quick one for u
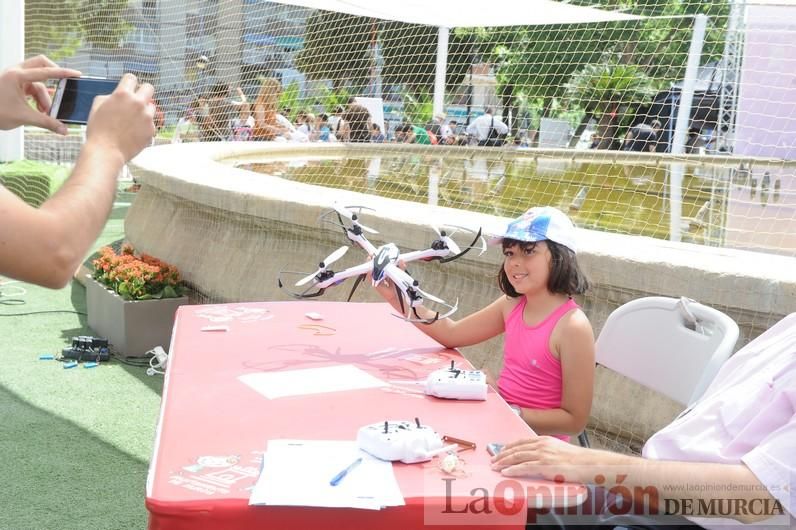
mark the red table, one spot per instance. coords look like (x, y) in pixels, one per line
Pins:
(213, 428)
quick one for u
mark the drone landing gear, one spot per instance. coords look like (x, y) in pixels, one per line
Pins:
(303, 294)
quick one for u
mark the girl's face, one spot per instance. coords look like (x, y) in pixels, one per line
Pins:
(527, 267)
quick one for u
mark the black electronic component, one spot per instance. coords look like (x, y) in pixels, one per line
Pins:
(86, 348)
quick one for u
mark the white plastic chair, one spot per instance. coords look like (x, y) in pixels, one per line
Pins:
(673, 346)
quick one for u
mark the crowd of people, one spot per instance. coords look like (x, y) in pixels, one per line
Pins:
(736, 442)
(220, 116)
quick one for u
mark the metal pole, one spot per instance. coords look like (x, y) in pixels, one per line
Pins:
(687, 92)
(439, 76)
(12, 52)
(681, 127)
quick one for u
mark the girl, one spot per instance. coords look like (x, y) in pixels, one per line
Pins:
(548, 365)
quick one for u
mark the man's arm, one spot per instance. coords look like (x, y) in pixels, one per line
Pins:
(648, 481)
(45, 245)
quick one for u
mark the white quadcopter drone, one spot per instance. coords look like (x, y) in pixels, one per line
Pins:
(383, 263)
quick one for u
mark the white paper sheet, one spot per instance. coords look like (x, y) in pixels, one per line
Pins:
(298, 473)
(311, 381)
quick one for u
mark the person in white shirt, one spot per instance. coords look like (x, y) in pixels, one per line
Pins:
(305, 122)
(728, 460)
(291, 133)
(187, 130)
(481, 127)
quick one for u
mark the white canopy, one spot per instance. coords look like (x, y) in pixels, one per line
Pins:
(467, 13)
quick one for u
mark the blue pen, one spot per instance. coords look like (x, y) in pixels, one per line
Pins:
(341, 475)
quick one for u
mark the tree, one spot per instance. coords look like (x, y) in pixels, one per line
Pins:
(51, 28)
(337, 47)
(410, 56)
(610, 91)
(103, 22)
(535, 64)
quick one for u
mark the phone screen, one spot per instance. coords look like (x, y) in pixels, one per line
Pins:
(78, 96)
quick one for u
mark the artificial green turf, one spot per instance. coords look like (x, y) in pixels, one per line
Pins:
(32, 180)
(74, 443)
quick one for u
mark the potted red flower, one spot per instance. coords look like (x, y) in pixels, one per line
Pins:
(131, 299)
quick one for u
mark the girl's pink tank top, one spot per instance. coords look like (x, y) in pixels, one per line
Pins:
(531, 376)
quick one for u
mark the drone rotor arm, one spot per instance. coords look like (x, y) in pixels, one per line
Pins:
(363, 243)
(344, 275)
(426, 254)
(398, 275)
(331, 258)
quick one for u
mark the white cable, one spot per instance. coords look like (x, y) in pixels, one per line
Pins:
(21, 291)
(153, 368)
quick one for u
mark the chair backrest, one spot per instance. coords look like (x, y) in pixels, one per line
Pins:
(673, 346)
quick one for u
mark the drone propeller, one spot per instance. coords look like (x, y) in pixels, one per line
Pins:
(306, 293)
(331, 258)
(445, 238)
(353, 216)
(478, 238)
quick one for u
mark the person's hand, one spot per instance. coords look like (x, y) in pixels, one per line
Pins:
(545, 457)
(386, 290)
(239, 90)
(123, 121)
(27, 80)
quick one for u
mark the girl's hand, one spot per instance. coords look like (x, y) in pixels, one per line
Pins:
(386, 290)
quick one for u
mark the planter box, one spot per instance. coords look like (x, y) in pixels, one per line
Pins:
(132, 327)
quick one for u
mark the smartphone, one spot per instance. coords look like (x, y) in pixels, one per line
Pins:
(494, 448)
(75, 95)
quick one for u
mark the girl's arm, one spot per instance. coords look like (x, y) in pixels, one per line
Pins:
(472, 329)
(575, 345)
